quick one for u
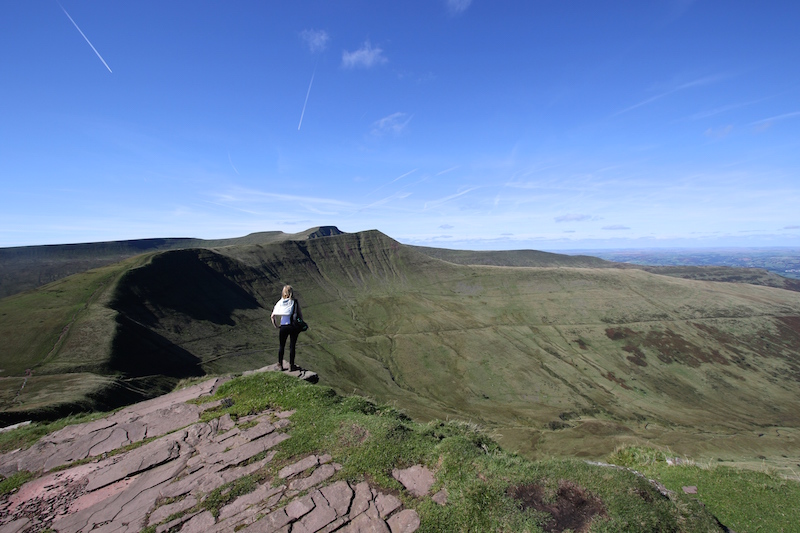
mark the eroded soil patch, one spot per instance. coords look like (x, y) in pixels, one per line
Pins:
(573, 507)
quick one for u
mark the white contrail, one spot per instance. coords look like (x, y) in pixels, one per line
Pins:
(390, 182)
(306, 102)
(84, 36)
(231, 162)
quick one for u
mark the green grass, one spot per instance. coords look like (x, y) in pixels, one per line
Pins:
(744, 500)
(26, 436)
(222, 496)
(369, 440)
(15, 481)
(34, 324)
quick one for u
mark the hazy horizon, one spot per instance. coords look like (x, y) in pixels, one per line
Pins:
(452, 123)
(451, 246)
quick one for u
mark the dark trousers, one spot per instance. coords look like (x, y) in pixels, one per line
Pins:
(291, 331)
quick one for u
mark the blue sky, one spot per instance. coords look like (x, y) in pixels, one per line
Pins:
(452, 123)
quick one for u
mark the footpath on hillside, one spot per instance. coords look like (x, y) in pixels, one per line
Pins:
(155, 466)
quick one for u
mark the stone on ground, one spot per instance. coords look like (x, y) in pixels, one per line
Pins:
(165, 483)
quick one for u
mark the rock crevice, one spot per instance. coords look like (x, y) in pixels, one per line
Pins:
(166, 483)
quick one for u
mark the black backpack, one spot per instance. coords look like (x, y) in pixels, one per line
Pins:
(296, 320)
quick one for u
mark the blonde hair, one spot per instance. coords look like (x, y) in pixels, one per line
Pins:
(287, 291)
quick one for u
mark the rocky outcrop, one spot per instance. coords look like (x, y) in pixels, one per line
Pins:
(94, 477)
(128, 426)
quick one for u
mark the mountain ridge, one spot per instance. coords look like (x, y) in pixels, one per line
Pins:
(27, 267)
(555, 359)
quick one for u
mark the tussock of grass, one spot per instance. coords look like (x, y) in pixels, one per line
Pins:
(743, 500)
(227, 493)
(15, 481)
(26, 436)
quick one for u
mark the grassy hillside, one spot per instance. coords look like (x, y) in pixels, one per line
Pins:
(56, 344)
(534, 258)
(557, 360)
(27, 267)
(753, 276)
(515, 258)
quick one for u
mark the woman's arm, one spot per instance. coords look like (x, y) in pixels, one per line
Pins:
(272, 319)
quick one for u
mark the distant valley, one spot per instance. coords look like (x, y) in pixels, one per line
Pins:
(558, 355)
(782, 261)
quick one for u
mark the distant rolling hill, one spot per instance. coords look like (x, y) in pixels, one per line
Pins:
(514, 258)
(535, 258)
(27, 267)
(556, 359)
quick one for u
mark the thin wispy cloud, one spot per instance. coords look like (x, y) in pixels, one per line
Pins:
(401, 176)
(235, 208)
(231, 162)
(791, 227)
(436, 203)
(83, 35)
(718, 133)
(615, 227)
(447, 170)
(689, 85)
(457, 6)
(365, 57)
(719, 110)
(315, 40)
(774, 119)
(575, 218)
(398, 178)
(394, 123)
(255, 200)
(446, 226)
(385, 201)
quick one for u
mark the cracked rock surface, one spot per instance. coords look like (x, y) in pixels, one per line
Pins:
(164, 484)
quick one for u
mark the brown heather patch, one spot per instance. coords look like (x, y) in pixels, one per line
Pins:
(638, 356)
(619, 381)
(617, 334)
(792, 323)
(670, 347)
(789, 335)
(674, 348)
(573, 507)
(781, 344)
(727, 340)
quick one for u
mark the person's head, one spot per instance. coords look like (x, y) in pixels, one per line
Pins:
(287, 291)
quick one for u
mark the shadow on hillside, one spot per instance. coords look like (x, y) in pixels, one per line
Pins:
(138, 351)
(182, 282)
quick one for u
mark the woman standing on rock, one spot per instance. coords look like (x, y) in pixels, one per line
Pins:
(284, 316)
